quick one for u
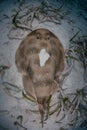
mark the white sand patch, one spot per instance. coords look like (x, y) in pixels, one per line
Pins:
(44, 56)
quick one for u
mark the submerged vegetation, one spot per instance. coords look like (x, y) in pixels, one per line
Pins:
(43, 13)
(78, 51)
(25, 15)
(3, 67)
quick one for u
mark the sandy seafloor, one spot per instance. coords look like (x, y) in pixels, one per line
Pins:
(13, 106)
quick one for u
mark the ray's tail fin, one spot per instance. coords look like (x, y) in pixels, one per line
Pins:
(43, 104)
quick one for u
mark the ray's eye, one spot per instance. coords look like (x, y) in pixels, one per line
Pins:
(38, 36)
(48, 37)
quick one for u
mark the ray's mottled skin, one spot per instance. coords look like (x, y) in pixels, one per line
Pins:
(39, 81)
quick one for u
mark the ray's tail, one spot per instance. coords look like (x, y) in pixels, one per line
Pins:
(43, 104)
